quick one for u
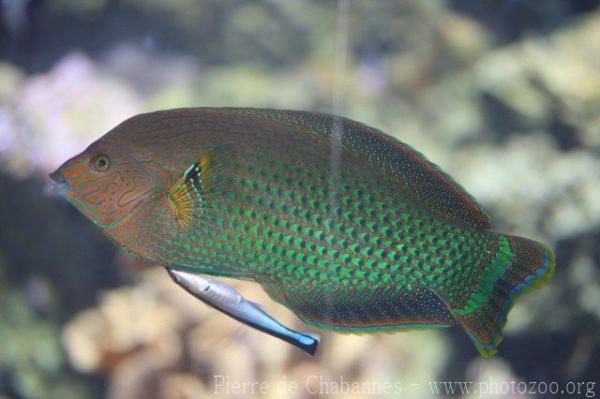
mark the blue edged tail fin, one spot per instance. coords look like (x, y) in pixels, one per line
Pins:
(528, 265)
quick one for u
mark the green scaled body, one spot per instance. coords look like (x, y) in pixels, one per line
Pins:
(356, 233)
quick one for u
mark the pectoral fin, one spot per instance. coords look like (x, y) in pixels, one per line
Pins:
(191, 195)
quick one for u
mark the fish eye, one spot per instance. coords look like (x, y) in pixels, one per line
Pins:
(101, 163)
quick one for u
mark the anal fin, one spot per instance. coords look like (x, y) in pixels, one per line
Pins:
(369, 311)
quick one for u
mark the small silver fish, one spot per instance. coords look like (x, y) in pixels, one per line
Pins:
(227, 300)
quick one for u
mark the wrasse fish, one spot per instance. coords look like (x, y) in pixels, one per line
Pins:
(386, 242)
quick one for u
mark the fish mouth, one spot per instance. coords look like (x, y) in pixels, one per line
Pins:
(62, 185)
(57, 177)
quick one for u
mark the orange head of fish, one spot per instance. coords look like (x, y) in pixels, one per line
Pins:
(108, 180)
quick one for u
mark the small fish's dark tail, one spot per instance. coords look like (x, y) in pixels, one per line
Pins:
(519, 266)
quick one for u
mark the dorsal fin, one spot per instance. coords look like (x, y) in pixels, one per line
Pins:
(417, 175)
(428, 182)
(443, 195)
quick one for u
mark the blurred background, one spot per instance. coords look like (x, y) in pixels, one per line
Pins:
(504, 95)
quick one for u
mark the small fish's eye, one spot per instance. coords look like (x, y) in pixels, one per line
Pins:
(101, 163)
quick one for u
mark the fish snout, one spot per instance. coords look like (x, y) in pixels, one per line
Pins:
(57, 177)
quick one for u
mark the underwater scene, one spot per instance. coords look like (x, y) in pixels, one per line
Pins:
(299, 199)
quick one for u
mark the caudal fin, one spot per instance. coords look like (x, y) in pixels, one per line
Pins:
(527, 264)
